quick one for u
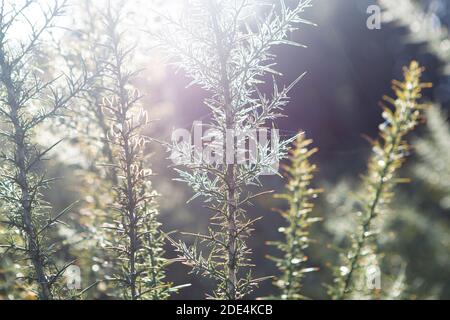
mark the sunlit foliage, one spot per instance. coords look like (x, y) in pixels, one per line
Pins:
(388, 155)
(134, 233)
(83, 85)
(300, 196)
(28, 100)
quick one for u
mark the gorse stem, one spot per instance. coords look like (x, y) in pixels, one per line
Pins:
(299, 195)
(22, 180)
(389, 153)
(136, 237)
(231, 203)
(22, 183)
(225, 53)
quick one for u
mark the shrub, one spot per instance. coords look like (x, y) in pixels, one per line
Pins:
(135, 235)
(300, 196)
(388, 156)
(217, 46)
(28, 101)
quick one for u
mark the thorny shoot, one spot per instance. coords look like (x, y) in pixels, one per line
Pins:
(228, 53)
(27, 102)
(388, 156)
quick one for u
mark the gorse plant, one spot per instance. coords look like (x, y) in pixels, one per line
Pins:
(300, 196)
(28, 101)
(227, 54)
(389, 153)
(83, 131)
(425, 27)
(69, 94)
(135, 235)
